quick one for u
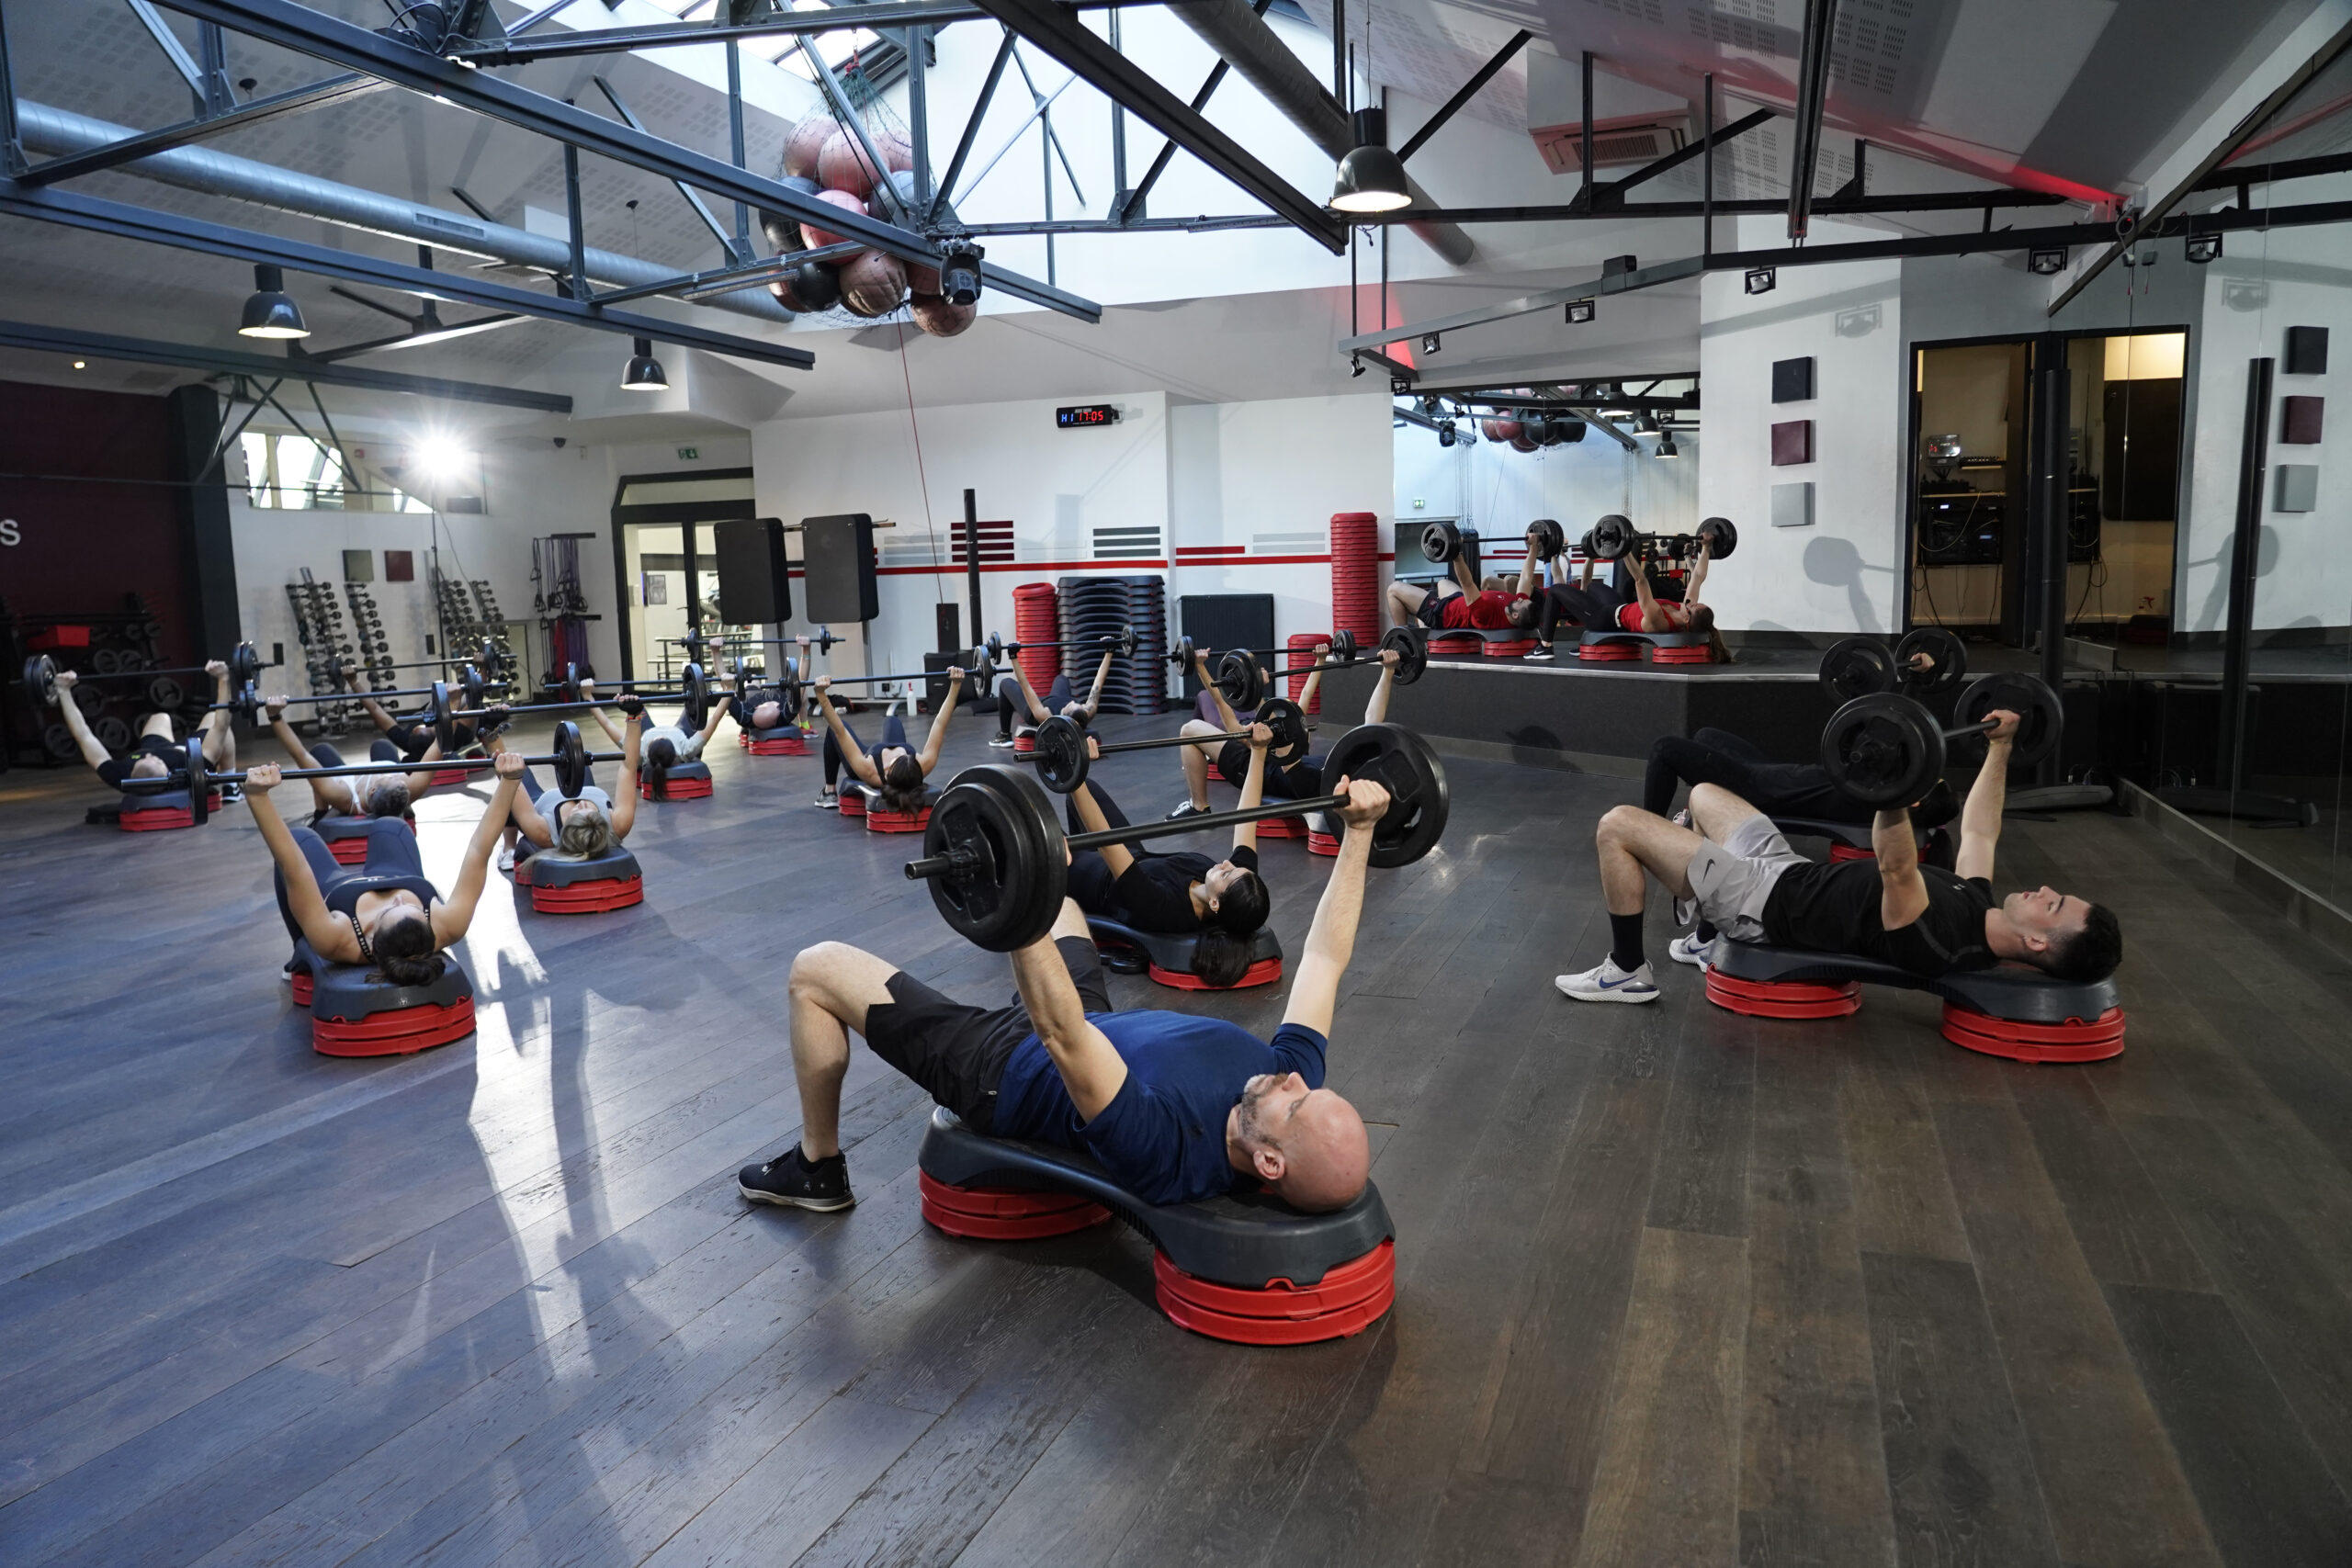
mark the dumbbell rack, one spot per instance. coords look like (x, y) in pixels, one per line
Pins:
(318, 625)
(375, 650)
(468, 617)
(118, 640)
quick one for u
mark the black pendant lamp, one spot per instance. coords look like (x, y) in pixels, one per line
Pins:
(1371, 178)
(270, 311)
(644, 372)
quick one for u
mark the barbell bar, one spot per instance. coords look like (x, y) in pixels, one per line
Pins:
(997, 859)
(247, 703)
(1887, 749)
(1063, 758)
(1441, 542)
(696, 696)
(41, 673)
(1124, 644)
(570, 760)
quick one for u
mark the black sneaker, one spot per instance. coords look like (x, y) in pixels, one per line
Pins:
(1186, 808)
(792, 1181)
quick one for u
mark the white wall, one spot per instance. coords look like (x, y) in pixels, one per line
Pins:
(2264, 285)
(1499, 491)
(1843, 573)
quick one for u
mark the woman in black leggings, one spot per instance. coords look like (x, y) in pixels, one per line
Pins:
(894, 770)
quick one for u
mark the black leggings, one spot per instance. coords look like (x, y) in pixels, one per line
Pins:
(1012, 703)
(1594, 608)
(392, 862)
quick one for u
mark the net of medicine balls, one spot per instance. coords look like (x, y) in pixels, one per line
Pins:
(824, 158)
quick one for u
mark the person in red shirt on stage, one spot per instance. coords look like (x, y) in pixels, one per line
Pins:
(1459, 604)
(1634, 607)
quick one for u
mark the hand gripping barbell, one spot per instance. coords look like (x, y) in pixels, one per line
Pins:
(445, 715)
(1857, 666)
(1614, 537)
(1441, 542)
(40, 673)
(997, 861)
(1124, 644)
(570, 760)
(1063, 758)
(1886, 750)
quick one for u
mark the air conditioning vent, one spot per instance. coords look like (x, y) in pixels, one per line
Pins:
(1624, 142)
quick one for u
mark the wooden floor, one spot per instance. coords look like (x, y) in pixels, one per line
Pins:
(1674, 1287)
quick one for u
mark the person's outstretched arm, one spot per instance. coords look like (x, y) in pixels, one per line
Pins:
(1980, 817)
(1375, 710)
(1314, 677)
(632, 745)
(1038, 712)
(861, 766)
(93, 752)
(1118, 857)
(942, 718)
(1464, 576)
(718, 710)
(1216, 692)
(522, 809)
(1902, 892)
(455, 913)
(1253, 789)
(1527, 573)
(1698, 576)
(612, 731)
(1332, 940)
(1089, 1064)
(1094, 692)
(327, 794)
(328, 933)
(1653, 618)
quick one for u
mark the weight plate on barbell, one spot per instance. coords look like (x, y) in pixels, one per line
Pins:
(2041, 716)
(1343, 646)
(1858, 666)
(1402, 763)
(1288, 721)
(1060, 755)
(1412, 658)
(1238, 677)
(1440, 542)
(571, 760)
(1611, 539)
(1949, 656)
(1006, 884)
(1548, 538)
(1721, 537)
(1882, 748)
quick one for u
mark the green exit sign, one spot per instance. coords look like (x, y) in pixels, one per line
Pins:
(687, 454)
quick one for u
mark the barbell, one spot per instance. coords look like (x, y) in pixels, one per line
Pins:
(1441, 542)
(570, 760)
(1886, 750)
(1063, 758)
(997, 861)
(1857, 666)
(1614, 537)
(40, 673)
(443, 716)
(247, 703)
(1243, 681)
(1124, 644)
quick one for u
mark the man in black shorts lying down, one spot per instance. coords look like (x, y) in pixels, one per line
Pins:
(1176, 1106)
(1736, 872)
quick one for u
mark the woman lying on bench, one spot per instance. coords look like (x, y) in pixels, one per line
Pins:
(1014, 694)
(1613, 608)
(360, 795)
(894, 770)
(1175, 1106)
(386, 914)
(666, 745)
(1184, 891)
(588, 826)
(1740, 876)
(1299, 781)
(156, 754)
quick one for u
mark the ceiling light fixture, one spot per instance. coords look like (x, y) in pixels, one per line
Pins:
(1371, 178)
(2204, 248)
(1579, 312)
(1666, 448)
(1761, 279)
(270, 311)
(1430, 343)
(644, 372)
(2045, 261)
(81, 364)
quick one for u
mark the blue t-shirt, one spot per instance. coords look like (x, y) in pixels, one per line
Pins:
(1163, 1136)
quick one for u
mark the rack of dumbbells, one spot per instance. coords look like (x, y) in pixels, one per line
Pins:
(468, 614)
(110, 642)
(318, 623)
(375, 652)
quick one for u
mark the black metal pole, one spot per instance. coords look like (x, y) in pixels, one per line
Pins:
(2245, 551)
(972, 559)
(1707, 171)
(2050, 407)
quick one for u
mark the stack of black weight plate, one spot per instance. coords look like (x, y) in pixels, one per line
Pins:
(1094, 607)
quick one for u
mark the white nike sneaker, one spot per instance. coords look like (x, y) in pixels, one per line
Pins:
(506, 860)
(1688, 949)
(1609, 984)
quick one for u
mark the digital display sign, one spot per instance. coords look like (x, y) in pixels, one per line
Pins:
(1086, 414)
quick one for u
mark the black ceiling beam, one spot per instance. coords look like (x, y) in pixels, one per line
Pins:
(1613, 192)
(37, 339)
(876, 16)
(1571, 212)
(130, 148)
(305, 31)
(96, 215)
(1812, 97)
(1059, 33)
(2230, 175)
(1469, 90)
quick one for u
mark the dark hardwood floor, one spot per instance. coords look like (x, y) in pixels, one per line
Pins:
(1675, 1287)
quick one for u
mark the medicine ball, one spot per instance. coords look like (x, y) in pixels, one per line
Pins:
(806, 141)
(942, 317)
(873, 282)
(817, 285)
(1501, 430)
(820, 238)
(843, 165)
(783, 233)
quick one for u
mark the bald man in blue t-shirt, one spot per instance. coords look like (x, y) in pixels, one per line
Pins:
(1174, 1106)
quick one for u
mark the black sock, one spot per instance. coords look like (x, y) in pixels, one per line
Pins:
(1625, 940)
(1705, 932)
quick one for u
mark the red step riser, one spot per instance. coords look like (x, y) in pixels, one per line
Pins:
(398, 1033)
(1264, 972)
(588, 898)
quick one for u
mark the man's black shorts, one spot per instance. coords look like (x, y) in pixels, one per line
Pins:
(958, 1051)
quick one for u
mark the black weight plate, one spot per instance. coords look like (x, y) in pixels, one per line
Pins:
(89, 699)
(1343, 646)
(1858, 666)
(1440, 542)
(1288, 721)
(40, 680)
(1949, 656)
(112, 733)
(1882, 748)
(1412, 658)
(165, 694)
(57, 741)
(1611, 539)
(2042, 718)
(571, 760)
(696, 688)
(105, 659)
(1548, 538)
(1402, 762)
(445, 726)
(1008, 891)
(1060, 757)
(1720, 535)
(1238, 677)
(199, 783)
(245, 664)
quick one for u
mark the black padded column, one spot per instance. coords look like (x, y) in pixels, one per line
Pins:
(204, 513)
